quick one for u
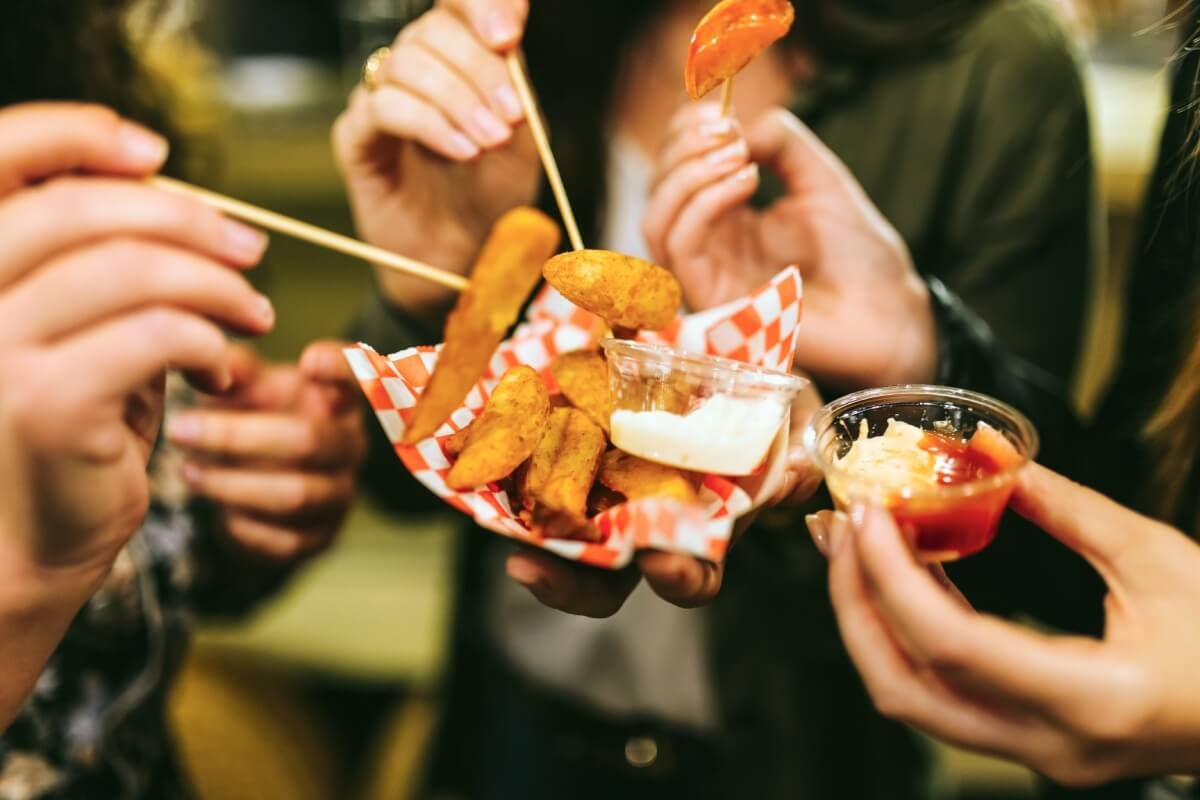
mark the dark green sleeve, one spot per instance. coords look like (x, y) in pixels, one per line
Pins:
(1022, 228)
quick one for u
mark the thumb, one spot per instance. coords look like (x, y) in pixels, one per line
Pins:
(786, 146)
(245, 366)
(1114, 540)
(500, 23)
(328, 374)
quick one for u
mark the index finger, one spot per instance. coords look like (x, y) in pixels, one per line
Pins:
(1112, 538)
(580, 590)
(500, 23)
(39, 140)
(977, 652)
(278, 437)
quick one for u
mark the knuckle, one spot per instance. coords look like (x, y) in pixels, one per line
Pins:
(294, 496)
(66, 197)
(945, 656)
(308, 441)
(891, 703)
(1076, 769)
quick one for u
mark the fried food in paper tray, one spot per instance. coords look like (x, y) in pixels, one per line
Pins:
(759, 329)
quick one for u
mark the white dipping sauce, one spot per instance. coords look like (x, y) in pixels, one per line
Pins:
(725, 435)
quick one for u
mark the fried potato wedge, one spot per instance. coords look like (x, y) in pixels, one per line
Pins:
(626, 292)
(506, 272)
(534, 474)
(636, 478)
(507, 431)
(583, 378)
(456, 443)
(561, 473)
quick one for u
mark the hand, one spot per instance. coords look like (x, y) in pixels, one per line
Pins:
(867, 314)
(438, 151)
(1078, 710)
(104, 283)
(279, 453)
(686, 581)
(587, 591)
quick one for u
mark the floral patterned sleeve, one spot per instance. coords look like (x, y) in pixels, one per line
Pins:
(95, 725)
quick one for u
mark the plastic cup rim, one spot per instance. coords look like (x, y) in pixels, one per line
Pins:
(823, 419)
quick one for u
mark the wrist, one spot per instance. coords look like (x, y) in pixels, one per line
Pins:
(31, 589)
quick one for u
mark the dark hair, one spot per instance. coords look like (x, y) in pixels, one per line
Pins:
(77, 50)
(575, 48)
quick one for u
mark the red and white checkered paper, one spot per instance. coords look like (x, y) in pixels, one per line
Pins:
(759, 329)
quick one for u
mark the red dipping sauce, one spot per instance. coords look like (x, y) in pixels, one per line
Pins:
(943, 460)
(944, 529)
(962, 519)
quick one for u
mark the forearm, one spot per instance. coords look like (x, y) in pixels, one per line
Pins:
(37, 606)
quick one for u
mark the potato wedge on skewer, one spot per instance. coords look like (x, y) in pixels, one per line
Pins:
(626, 292)
(506, 433)
(505, 274)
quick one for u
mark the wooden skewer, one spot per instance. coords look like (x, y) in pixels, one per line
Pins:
(521, 82)
(314, 235)
(727, 97)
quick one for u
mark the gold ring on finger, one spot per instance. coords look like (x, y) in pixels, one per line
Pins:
(375, 61)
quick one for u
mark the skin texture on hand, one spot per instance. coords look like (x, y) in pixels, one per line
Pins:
(278, 453)
(439, 150)
(1078, 710)
(104, 283)
(867, 315)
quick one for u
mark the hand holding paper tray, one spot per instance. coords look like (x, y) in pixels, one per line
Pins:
(759, 329)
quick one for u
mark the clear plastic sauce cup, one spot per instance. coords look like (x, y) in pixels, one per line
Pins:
(699, 413)
(945, 521)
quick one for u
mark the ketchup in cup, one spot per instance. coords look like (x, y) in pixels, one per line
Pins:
(942, 460)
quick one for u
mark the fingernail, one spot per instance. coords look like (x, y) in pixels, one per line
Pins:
(858, 514)
(730, 152)
(460, 146)
(509, 103)
(717, 127)
(489, 126)
(266, 311)
(185, 429)
(143, 145)
(523, 572)
(243, 241)
(818, 532)
(499, 28)
(746, 174)
(192, 473)
(839, 534)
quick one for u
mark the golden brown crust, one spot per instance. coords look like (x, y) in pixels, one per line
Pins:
(626, 292)
(505, 273)
(583, 378)
(506, 433)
